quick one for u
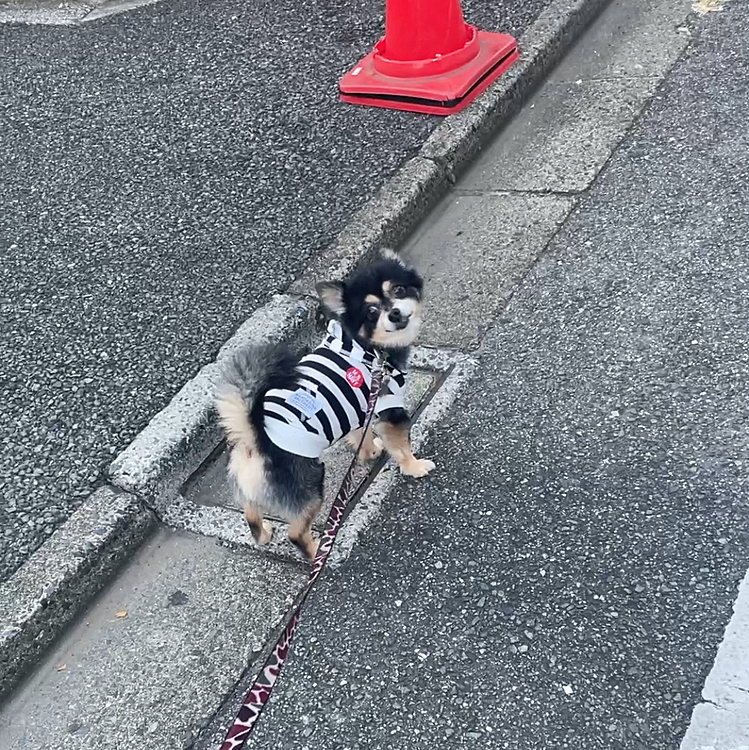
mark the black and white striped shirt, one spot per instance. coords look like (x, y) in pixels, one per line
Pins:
(331, 396)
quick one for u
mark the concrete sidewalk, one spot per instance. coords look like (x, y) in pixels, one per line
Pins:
(163, 174)
(566, 575)
(565, 578)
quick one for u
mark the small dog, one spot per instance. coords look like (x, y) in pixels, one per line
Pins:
(279, 412)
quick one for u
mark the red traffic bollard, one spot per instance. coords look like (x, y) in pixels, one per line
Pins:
(430, 60)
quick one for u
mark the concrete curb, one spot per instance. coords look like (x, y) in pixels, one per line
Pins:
(64, 574)
(384, 221)
(457, 142)
(59, 580)
(408, 197)
(180, 437)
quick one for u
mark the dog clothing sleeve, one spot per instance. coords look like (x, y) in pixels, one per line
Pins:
(393, 393)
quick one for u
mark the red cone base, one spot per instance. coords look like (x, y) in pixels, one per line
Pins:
(443, 92)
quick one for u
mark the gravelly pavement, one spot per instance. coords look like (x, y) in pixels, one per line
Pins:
(162, 173)
(563, 579)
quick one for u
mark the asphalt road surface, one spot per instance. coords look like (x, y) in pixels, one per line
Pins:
(162, 174)
(564, 577)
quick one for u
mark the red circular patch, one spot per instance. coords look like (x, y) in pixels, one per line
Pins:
(354, 377)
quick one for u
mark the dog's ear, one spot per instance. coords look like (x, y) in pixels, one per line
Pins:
(390, 254)
(331, 297)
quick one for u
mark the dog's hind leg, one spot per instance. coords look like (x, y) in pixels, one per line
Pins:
(261, 530)
(249, 488)
(300, 531)
(371, 447)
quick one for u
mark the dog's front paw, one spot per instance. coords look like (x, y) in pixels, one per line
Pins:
(418, 468)
(371, 450)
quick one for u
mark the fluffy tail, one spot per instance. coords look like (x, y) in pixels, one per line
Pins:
(249, 374)
(234, 418)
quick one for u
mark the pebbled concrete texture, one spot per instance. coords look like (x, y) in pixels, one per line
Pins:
(662, 28)
(482, 239)
(59, 579)
(164, 173)
(473, 254)
(456, 143)
(595, 112)
(184, 433)
(565, 578)
(589, 99)
(156, 653)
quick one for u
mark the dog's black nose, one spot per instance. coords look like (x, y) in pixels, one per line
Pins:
(395, 315)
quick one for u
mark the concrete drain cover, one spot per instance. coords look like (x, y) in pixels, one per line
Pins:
(205, 504)
(208, 486)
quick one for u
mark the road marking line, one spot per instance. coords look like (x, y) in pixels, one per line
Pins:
(707, 6)
(721, 721)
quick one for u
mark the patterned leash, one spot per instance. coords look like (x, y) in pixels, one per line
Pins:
(259, 693)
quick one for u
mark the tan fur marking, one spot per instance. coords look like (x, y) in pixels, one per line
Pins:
(397, 443)
(232, 411)
(249, 472)
(262, 531)
(371, 447)
(387, 287)
(300, 534)
(408, 306)
(372, 299)
(402, 338)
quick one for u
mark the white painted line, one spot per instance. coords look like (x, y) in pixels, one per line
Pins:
(703, 7)
(721, 721)
(115, 7)
(67, 13)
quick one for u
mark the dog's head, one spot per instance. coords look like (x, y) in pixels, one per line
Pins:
(378, 304)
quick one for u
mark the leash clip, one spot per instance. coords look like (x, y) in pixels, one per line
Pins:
(383, 364)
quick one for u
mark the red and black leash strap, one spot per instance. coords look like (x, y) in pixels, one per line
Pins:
(260, 691)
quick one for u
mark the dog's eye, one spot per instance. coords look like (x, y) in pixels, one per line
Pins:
(373, 312)
(399, 292)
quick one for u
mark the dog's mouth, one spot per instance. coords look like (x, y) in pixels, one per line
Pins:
(397, 325)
